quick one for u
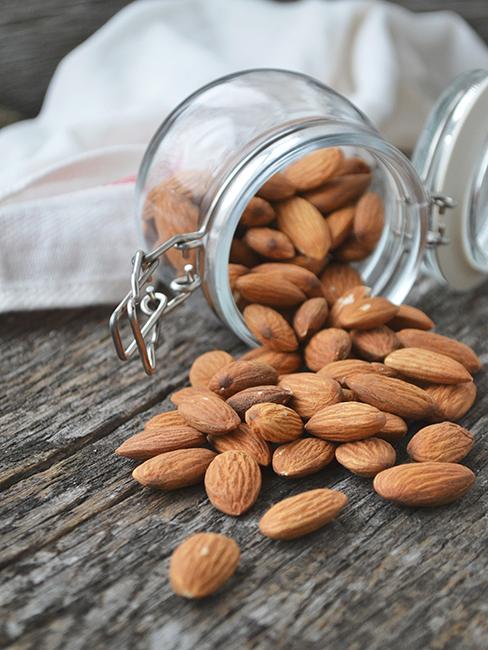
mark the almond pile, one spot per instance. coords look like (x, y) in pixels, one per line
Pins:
(340, 376)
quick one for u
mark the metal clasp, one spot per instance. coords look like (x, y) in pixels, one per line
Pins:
(437, 227)
(144, 301)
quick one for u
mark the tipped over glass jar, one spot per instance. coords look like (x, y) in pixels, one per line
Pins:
(248, 135)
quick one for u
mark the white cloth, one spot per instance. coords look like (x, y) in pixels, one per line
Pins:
(68, 227)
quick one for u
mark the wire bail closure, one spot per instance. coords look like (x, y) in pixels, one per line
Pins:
(143, 300)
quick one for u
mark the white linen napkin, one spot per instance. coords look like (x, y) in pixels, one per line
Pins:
(67, 177)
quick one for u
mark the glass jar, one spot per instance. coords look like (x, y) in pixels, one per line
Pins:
(217, 148)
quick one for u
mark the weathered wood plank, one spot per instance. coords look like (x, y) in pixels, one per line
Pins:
(85, 550)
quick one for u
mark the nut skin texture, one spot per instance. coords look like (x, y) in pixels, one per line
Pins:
(302, 514)
(369, 220)
(274, 422)
(374, 344)
(283, 362)
(174, 469)
(304, 279)
(415, 338)
(269, 289)
(366, 457)
(367, 313)
(241, 402)
(188, 393)
(451, 402)
(258, 212)
(408, 316)
(233, 482)
(341, 370)
(302, 457)
(202, 564)
(395, 428)
(270, 243)
(332, 344)
(310, 392)
(426, 365)
(346, 421)
(209, 414)
(445, 442)
(305, 226)
(270, 328)
(314, 169)
(155, 441)
(310, 317)
(337, 279)
(243, 439)
(277, 188)
(206, 365)
(239, 375)
(339, 192)
(424, 484)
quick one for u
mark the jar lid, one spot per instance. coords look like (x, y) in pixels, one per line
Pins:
(451, 157)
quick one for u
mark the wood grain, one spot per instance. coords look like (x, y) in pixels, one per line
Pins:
(85, 550)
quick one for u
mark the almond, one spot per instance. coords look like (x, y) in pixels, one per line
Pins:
(452, 402)
(277, 188)
(414, 338)
(258, 212)
(369, 220)
(274, 422)
(337, 279)
(426, 365)
(394, 428)
(392, 395)
(270, 243)
(233, 482)
(240, 253)
(304, 279)
(338, 192)
(305, 227)
(163, 420)
(351, 296)
(345, 368)
(340, 225)
(238, 375)
(444, 442)
(202, 564)
(328, 345)
(174, 469)
(348, 395)
(424, 484)
(384, 370)
(367, 313)
(243, 439)
(310, 392)
(309, 263)
(282, 362)
(351, 251)
(302, 457)
(235, 271)
(209, 414)
(346, 421)
(375, 344)
(354, 165)
(408, 316)
(310, 317)
(314, 169)
(302, 514)
(248, 397)
(366, 457)
(189, 392)
(269, 289)
(154, 441)
(206, 365)
(270, 328)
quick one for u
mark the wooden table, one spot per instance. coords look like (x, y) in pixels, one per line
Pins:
(85, 549)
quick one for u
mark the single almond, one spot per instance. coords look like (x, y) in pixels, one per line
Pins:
(277, 188)
(310, 317)
(269, 289)
(351, 296)
(310, 392)
(245, 399)
(304, 279)
(351, 251)
(445, 442)
(346, 421)
(338, 192)
(243, 439)
(366, 457)
(340, 224)
(424, 484)
(369, 220)
(282, 362)
(274, 422)
(408, 316)
(392, 395)
(305, 227)
(164, 420)
(451, 402)
(233, 482)
(235, 271)
(302, 457)
(414, 338)
(174, 469)
(302, 514)
(188, 393)
(270, 243)
(367, 313)
(394, 428)
(154, 441)
(202, 564)
(258, 212)
(314, 169)
(375, 344)
(328, 345)
(428, 366)
(240, 253)
(354, 165)
(341, 370)
(206, 365)
(209, 414)
(270, 328)
(238, 375)
(337, 279)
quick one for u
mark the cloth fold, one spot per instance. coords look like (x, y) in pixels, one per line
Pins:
(68, 222)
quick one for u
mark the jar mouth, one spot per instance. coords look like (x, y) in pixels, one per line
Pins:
(477, 240)
(391, 269)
